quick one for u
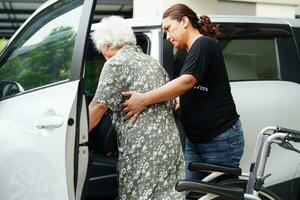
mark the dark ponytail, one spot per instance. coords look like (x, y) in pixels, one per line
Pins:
(207, 27)
(203, 24)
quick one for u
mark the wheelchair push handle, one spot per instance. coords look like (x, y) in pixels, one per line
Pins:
(293, 135)
(287, 130)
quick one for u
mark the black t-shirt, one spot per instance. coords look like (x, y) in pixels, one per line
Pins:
(208, 109)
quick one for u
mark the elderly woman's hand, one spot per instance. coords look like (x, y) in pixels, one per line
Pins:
(177, 106)
(134, 105)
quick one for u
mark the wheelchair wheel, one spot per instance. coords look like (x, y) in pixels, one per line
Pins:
(266, 194)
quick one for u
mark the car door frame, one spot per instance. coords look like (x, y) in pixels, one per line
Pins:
(76, 74)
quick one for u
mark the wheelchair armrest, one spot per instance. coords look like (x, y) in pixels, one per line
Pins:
(234, 193)
(194, 166)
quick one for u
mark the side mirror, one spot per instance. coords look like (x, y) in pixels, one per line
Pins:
(8, 88)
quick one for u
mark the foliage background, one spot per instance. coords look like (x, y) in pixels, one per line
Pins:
(43, 63)
(2, 43)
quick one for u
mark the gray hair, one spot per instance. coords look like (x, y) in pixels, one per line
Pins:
(112, 31)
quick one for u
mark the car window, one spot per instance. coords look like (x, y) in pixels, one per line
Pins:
(289, 59)
(93, 67)
(245, 59)
(42, 54)
(248, 59)
(297, 38)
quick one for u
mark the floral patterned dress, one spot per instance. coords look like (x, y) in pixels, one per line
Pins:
(150, 153)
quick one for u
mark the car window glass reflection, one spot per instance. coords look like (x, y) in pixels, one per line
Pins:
(247, 59)
(44, 52)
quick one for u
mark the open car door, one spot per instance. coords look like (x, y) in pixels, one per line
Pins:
(43, 113)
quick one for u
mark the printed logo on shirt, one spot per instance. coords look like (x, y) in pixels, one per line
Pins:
(201, 88)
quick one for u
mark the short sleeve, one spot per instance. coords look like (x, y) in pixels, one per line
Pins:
(109, 87)
(197, 60)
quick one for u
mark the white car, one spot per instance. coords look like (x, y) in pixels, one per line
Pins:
(49, 72)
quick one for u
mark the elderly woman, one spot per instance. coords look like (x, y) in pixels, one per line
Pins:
(150, 154)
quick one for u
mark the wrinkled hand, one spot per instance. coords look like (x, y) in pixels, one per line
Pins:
(177, 106)
(134, 105)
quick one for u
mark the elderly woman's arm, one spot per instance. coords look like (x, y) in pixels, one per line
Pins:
(96, 112)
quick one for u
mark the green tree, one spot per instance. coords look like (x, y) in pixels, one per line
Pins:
(43, 63)
(2, 43)
(93, 68)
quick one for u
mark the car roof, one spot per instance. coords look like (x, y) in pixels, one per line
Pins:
(156, 21)
(254, 19)
(293, 22)
(140, 22)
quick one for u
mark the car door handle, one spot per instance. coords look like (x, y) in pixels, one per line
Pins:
(49, 122)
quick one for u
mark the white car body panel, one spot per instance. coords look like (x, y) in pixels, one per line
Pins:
(268, 103)
(154, 36)
(83, 157)
(44, 143)
(40, 152)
